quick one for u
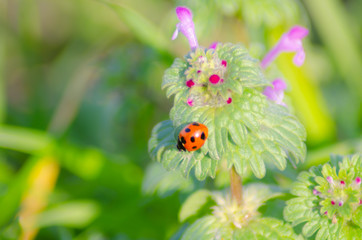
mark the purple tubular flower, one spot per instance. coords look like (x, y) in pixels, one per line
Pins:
(340, 203)
(213, 45)
(186, 26)
(276, 93)
(289, 42)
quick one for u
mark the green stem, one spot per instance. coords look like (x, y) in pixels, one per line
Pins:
(236, 186)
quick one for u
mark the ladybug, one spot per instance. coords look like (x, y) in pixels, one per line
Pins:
(192, 137)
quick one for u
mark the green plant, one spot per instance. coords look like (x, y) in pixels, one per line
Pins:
(249, 126)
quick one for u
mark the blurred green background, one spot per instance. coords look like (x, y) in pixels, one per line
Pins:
(80, 92)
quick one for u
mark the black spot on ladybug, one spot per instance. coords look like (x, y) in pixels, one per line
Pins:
(180, 147)
(187, 130)
(194, 147)
(192, 139)
(183, 140)
(203, 136)
(195, 124)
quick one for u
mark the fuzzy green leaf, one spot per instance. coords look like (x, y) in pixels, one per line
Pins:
(210, 227)
(311, 227)
(158, 180)
(203, 229)
(193, 204)
(244, 68)
(266, 228)
(161, 139)
(357, 217)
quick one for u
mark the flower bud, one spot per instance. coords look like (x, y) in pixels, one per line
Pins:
(330, 180)
(214, 79)
(316, 192)
(190, 102)
(358, 180)
(190, 83)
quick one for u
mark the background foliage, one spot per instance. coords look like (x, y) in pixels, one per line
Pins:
(80, 92)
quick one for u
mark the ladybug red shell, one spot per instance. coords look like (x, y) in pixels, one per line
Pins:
(192, 137)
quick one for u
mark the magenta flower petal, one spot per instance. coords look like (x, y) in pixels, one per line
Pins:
(289, 42)
(213, 45)
(186, 26)
(276, 93)
(298, 32)
(224, 63)
(175, 33)
(299, 58)
(229, 100)
(279, 84)
(358, 180)
(190, 102)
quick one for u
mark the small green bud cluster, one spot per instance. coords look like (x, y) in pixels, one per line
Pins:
(339, 195)
(205, 77)
(329, 200)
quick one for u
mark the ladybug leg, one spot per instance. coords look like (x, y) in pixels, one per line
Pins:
(180, 146)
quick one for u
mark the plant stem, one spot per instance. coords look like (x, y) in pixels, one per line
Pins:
(236, 186)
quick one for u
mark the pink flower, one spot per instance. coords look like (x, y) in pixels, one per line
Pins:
(190, 102)
(330, 180)
(224, 63)
(289, 42)
(276, 93)
(358, 180)
(186, 26)
(316, 192)
(333, 202)
(229, 100)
